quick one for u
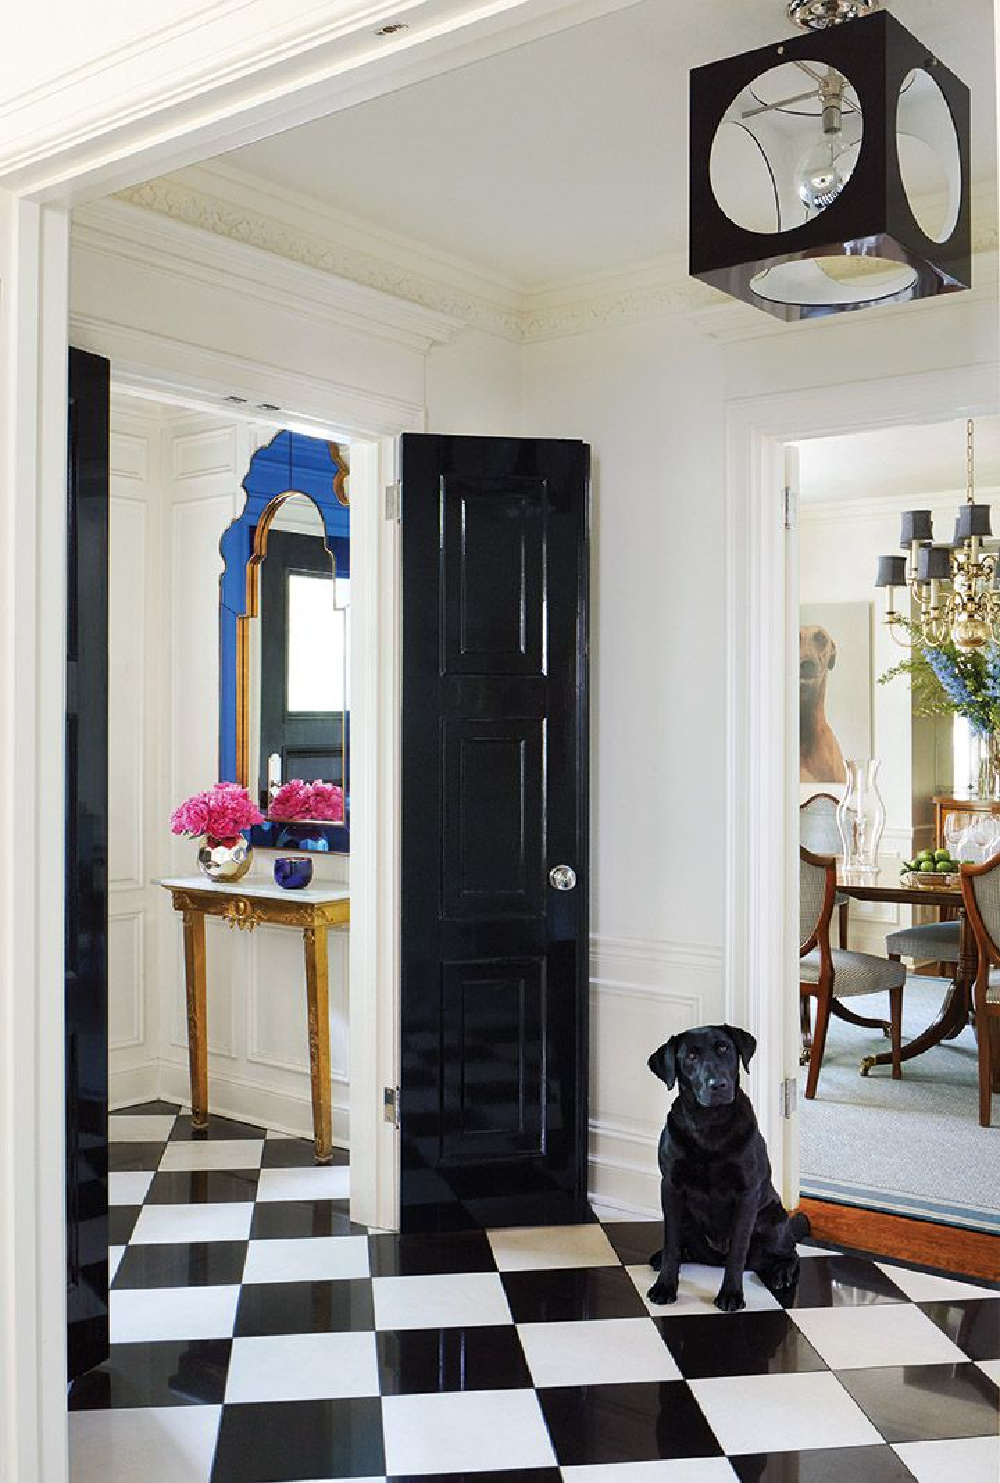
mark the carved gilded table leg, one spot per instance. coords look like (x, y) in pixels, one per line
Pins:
(318, 1004)
(194, 981)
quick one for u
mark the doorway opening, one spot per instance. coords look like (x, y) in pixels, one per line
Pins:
(880, 747)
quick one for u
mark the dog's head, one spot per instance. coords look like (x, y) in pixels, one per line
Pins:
(817, 656)
(705, 1062)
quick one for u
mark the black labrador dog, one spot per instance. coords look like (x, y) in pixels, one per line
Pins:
(719, 1205)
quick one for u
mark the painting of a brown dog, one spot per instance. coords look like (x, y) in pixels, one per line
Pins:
(821, 759)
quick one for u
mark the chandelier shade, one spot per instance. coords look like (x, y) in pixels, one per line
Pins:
(830, 172)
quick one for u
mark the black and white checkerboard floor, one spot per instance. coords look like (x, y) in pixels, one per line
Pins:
(258, 1335)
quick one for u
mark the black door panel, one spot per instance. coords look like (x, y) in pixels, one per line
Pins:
(494, 794)
(86, 986)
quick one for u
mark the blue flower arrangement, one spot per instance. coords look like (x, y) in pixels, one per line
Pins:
(947, 681)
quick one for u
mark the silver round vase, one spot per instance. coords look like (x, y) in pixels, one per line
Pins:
(225, 861)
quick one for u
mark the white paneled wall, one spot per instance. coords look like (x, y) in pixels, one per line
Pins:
(176, 486)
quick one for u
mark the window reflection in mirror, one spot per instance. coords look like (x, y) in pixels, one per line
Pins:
(298, 681)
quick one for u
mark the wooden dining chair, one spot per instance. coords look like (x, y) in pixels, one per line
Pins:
(981, 894)
(819, 832)
(829, 975)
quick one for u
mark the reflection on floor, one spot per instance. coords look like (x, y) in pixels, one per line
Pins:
(913, 1146)
(259, 1335)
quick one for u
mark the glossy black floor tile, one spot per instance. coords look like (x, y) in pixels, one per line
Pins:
(591, 1424)
(121, 1223)
(562, 1296)
(840, 1282)
(304, 1307)
(155, 1108)
(290, 1220)
(634, 1241)
(203, 1187)
(922, 1403)
(737, 1344)
(421, 1256)
(129, 1158)
(282, 1440)
(296, 1153)
(197, 1264)
(427, 1361)
(825, 1465)
(188, 1372)
(218, 1127)
(973, 1325)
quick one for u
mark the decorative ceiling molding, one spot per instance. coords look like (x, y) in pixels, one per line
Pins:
(239, 208)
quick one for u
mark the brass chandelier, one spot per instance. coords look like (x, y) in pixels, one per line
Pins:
(953, 589)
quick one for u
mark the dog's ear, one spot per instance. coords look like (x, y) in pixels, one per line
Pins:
(744, 1042)
(663, 1062)
(831, 664)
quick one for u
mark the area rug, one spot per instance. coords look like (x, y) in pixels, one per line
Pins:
(913, 1147)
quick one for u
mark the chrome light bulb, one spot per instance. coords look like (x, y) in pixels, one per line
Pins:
(820, 176)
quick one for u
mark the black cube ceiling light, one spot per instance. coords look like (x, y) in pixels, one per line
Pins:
(830, 171)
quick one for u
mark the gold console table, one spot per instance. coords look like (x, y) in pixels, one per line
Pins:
(246, 905)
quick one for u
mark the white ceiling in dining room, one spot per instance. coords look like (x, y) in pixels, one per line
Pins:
(900, 462)
(567, 156)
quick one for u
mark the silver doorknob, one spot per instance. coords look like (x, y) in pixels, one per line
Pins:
(563, 877)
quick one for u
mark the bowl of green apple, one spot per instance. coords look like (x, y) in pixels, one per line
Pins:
(930, 870)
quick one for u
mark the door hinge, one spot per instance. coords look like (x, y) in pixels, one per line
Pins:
(791, 508)
(394, 501)
(788, 1097)
(390, 1105)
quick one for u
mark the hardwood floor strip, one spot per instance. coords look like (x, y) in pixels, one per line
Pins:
(924, 1242)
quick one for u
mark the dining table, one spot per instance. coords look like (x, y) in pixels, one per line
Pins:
(956, 1010)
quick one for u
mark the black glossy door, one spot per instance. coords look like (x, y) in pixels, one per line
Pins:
(494, 796)
(87, 864)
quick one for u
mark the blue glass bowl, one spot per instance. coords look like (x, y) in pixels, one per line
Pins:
(292, 872)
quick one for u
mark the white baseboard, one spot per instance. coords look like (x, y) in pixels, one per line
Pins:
(134, 1084)
(250, 1102)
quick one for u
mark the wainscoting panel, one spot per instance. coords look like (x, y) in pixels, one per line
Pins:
(641, 993)
(126, 1004)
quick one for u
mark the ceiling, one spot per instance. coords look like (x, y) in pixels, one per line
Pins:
(899, 461)
(566, 156)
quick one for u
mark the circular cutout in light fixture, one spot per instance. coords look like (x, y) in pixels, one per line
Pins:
(930, 160)
(836, 280)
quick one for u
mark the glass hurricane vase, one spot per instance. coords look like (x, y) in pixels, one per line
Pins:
(989, 765)
(861, 817)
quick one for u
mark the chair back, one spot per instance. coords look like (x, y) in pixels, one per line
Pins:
(818, 825)
(817, 889)
(981, 895)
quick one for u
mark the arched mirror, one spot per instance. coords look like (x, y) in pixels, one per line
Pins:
(284, 616)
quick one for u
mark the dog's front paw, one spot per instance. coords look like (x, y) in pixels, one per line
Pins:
(663, 1291)
(783, 1274)
(656, 1260)
(730, 1299)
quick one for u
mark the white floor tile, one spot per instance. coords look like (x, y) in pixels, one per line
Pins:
(228, 1221)
(309, 1259)
(925, 1287)
(991, 1367)
(139, 1127)
(473, 1430)
(782, 1413)
(130, 1188)
(115, 1254)
(541, 1247)
(220, 1153)
(697, 1291)
(965, 1460)
(682, 1470)
(332, 1182)
(144, 1314)
(293, 1367)
(168, 1444)
(453, 1300)
(876, 1335)
(608, 1351)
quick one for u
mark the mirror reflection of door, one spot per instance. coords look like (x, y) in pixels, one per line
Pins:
(300, 664)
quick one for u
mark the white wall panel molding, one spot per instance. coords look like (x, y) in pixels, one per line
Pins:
(129, 455)
(127, 1007)
(208, 451)
(871, 505)
(655, 957)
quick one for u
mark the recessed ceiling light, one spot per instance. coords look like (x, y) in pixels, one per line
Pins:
(268, 407)
(392, 28)
(240, 401)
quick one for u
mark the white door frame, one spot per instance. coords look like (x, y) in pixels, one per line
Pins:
(762, 794)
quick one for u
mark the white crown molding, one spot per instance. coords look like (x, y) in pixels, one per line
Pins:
(873, 506)
(237, 209)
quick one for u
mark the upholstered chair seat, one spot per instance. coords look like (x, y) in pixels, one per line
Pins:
(853, 973)
(931, 942)
(981, 895)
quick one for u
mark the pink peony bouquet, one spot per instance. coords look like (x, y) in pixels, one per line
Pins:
(222, 814)
(313, 801)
